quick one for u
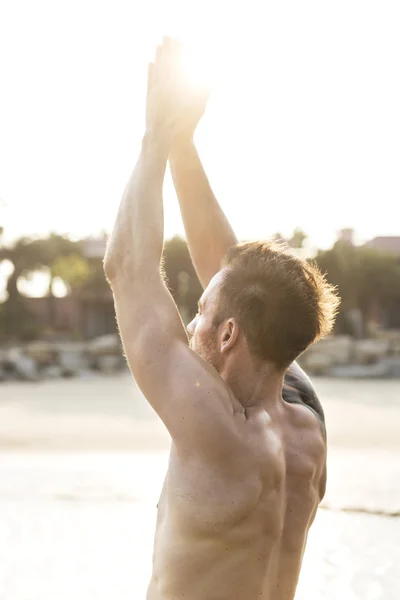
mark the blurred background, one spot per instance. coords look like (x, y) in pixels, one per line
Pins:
(300, 142)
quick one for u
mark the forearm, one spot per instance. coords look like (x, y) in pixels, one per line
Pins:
(208, 231)
(137, 239)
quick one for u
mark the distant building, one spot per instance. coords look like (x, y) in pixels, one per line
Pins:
(96, 309)
(389, 318)
(85, 312)
(94, 247)
(389, 244)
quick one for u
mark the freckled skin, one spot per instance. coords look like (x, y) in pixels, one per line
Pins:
(239, 533)
(247, 464)
(235, 527)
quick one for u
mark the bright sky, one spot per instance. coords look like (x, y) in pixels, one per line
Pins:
(303, 128)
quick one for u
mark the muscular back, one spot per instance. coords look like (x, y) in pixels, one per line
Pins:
(236, 529)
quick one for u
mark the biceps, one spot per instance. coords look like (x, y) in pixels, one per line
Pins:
(185, 397)
(152, 359)
(151, 330)
(187, 394)
(146, 309)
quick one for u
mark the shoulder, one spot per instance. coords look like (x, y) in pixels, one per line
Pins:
(298, 389)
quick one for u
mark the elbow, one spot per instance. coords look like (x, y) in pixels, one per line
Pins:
(118, 269)
(109, 271)
(109, 261)
(111, 267)
(114, 261)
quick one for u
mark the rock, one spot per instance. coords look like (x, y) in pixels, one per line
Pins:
(23, 366)
(378, 370)
(317, 363)
(395, 347)
(105, 345)
(72, 358)
(43, 353)
(52, 372)
(337, 349)
(393, 337)
(370, 351)
(87, 374)
(27, 369)
(392, 363)
(2, 374)
(2, 356)
(109, 364)
(389, 334)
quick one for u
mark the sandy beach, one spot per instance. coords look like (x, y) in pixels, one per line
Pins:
(82, 462)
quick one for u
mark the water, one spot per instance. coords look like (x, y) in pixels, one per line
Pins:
(80, 526)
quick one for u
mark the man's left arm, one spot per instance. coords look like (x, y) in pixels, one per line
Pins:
(189, 396)
(185, 391)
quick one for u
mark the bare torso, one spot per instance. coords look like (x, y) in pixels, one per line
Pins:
(239, 533)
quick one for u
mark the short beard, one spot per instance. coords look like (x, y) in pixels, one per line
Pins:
(207, 349)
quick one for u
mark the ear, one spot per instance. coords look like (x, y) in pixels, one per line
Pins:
(229, 334)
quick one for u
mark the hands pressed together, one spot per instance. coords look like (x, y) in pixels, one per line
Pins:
(174, 106)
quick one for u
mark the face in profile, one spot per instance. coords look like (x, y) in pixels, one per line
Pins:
(203, 332)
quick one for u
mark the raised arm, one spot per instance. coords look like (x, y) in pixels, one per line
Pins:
(208, 231)
(210, 235)
(175, 380)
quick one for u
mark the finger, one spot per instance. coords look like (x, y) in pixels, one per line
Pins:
(166, 42)
(176, 46)
(159, 53)
(167, 49)
(150, 72)
(176, 53)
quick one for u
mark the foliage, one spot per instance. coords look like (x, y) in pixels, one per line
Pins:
(296, 241)
(366, 279)
(58, 254)
(182, 279)
(298, 238)
(73, 269)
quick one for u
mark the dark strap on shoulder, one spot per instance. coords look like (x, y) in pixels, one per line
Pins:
(298, 389)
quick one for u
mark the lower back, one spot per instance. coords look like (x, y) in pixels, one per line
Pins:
(245, 562)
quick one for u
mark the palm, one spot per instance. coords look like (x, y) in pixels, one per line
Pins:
(174, 104)
(195, 108)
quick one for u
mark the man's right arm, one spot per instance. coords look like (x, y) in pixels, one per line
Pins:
(209, 236)
(208, 231)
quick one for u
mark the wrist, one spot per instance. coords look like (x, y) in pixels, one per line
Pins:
(182, 142)
(158, 142)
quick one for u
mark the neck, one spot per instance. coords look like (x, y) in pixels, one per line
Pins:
(254, 385)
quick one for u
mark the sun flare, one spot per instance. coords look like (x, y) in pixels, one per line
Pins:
(199, 67)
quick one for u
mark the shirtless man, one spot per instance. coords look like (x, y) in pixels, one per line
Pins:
(247, 464)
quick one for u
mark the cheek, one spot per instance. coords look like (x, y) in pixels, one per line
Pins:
(199, 329)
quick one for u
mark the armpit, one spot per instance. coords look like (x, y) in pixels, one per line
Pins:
(298, 389)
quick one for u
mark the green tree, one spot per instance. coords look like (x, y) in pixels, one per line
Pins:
(29, 255)
(366, 279)
(182, 279)
(298, 238)
(73, 269)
